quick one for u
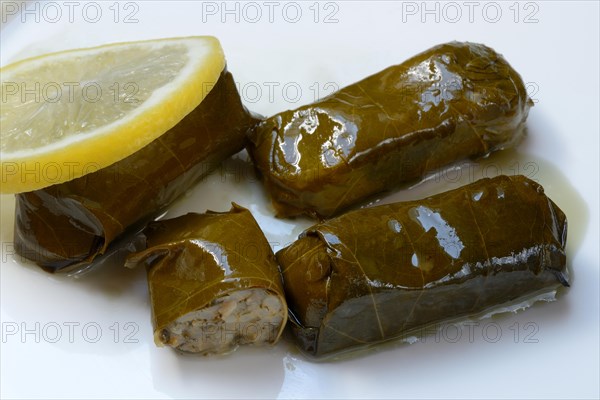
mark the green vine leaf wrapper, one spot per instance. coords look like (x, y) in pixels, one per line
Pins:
(196, 261)
(385, 272)
(451, 102)
(65, 227)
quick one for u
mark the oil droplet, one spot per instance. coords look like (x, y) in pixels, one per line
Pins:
(415, 260)
(500, 192)
(394, 226)
(422, 262)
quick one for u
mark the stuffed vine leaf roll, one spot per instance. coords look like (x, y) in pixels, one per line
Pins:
(66, 226)
(213, 282)
(450, 102)
(380, 273)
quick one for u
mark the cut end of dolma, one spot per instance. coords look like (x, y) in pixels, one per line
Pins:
(65, 227)
(214, 283)
(451, 102)
(251, 316)
(386, 272)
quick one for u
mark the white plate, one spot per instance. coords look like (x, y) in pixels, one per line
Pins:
(91, 337)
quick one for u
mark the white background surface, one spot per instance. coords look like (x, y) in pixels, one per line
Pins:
(557, 55)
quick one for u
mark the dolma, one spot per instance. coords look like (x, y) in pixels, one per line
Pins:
(214, 282)
(453, 101)
(385, 272)
(65, 226)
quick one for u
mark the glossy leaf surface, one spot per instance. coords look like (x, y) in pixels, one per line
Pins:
(379, 273)
(453, 101)
(197, 258)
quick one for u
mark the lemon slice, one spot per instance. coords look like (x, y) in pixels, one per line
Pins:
(66, 114)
